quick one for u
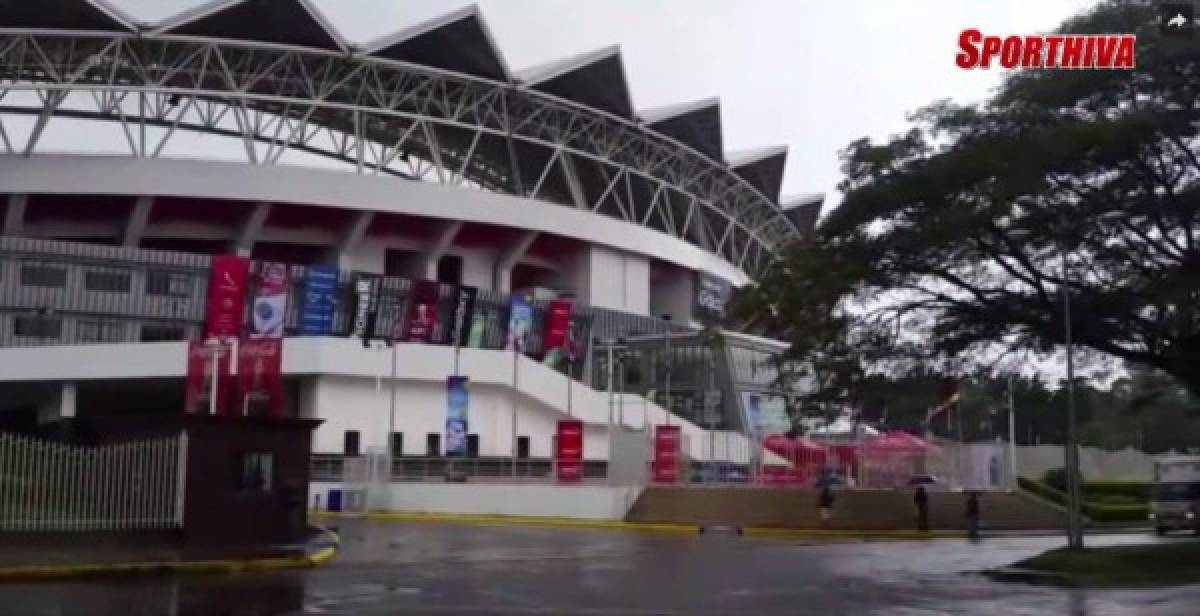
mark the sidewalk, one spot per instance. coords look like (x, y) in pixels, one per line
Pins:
(62, 559)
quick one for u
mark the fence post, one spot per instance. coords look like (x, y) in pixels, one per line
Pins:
(181, 450)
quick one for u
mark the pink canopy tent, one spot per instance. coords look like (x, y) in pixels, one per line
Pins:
(898, 443)
(894, 457)
(806, 460)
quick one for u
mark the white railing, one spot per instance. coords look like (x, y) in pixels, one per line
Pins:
(52, 487)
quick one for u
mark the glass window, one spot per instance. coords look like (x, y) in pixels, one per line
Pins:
(433, 444)
(169, 284)
(350, 441)
(100, 331)
(163, 333)
(111, 282)
(37, 327)
(255, 471)
(397, 443)
(38, 275)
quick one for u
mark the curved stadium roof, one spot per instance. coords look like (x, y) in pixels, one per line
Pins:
(584, 100)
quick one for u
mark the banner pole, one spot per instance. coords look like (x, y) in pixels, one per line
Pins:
(214, 375)
(515, 393)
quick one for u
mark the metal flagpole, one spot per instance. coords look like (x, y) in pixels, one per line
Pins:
(214, 375)
(516, 356)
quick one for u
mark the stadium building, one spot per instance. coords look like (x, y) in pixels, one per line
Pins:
(134, 154)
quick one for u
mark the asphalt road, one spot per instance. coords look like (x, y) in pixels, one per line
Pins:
(422, 568)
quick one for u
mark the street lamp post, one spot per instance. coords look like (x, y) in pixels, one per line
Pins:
(1012, 432)
(1071, 461)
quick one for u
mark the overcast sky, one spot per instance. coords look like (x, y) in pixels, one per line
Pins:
(811, 74)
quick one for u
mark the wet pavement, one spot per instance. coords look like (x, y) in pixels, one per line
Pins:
(424, 568)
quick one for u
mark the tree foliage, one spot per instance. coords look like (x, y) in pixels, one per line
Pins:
(950, 238)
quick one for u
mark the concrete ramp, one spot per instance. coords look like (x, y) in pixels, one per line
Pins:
(853, 509)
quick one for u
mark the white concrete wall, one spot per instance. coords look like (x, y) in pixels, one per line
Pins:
(345, 391)
(613, 279)
(102, 175)
(540, 500)
(1096, 464)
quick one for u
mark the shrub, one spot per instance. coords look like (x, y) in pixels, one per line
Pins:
(1129, 491)
(1057, 479)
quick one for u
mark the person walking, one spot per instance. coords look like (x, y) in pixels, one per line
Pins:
(973, 515)
(825, 505)
(921, 499)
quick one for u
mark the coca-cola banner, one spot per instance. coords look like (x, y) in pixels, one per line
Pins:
(665, 467)
(226, 296)
(558, 325)
(568, 450)
(198, 381)
(260, 386)
(366, 305)
(423, 311)
(270, 301)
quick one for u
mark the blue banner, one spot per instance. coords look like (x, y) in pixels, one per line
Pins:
(520, 323)
(316, 307)
(456, 416)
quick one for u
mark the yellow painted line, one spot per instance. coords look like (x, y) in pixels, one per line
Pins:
(315, 559)
(821, 533)
(509, 520)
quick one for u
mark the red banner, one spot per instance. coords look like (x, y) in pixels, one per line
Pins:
(665, 467)
(260, 384)
(422, 311)
(270, 301)
(198, 382)
(558, 322)
(226, 296)
(568, 450)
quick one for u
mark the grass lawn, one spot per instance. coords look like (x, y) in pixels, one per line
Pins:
(1159, 564)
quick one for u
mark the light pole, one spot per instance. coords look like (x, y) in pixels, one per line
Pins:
(1074, 519)
(667, 364)
(1012, 432)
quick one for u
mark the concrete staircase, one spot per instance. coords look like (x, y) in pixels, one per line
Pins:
(853, 509)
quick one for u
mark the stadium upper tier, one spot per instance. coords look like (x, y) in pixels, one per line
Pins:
(273, 82)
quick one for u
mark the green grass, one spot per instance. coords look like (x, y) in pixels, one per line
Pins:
(1161, 564)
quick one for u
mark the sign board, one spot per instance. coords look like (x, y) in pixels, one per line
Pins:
(712, 298)
(568, 450)
(666, 463)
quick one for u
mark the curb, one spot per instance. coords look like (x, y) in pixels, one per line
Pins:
(550, 522)
(511, 520)
(1029, 576)
(322, 553)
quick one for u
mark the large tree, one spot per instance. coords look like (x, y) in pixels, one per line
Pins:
(949, 239)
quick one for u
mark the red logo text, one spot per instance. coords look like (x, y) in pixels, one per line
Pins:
(1063, 51)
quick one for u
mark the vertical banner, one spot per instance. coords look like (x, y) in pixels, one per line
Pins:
(320, 292)
(568, 450)
(226, 296)
(270, 301)
(422, 311)
(260, 384)
(366, 306)
(456, 416)
(520, 322)
(558, 326)
(665, 467)
(198, 381)
(462, 326)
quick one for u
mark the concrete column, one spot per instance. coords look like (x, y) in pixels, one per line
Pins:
(508, 259)
(61, 405)
(251, 229)
(14, 215)
(352, 236)
(443, 238)
(135, 226)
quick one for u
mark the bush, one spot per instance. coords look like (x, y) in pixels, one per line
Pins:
(1057, 479)
(1096, 511)
(1115, 491)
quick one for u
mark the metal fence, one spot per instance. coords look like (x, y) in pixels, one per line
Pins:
(52, 487)
(338, 468)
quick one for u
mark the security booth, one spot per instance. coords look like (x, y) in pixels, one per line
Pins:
(239, 481)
